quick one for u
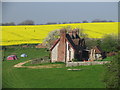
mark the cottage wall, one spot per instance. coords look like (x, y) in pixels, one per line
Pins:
(98, 56)
(69, 52)
(72, 53)
(54, 53)
(94, 55)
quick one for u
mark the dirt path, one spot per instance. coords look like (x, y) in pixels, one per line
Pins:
(20, 65)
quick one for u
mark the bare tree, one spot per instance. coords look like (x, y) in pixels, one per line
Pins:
(52, 36)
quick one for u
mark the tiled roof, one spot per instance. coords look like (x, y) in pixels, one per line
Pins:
(74, 42)
(55, 42)
(97, 49)
(71, 41)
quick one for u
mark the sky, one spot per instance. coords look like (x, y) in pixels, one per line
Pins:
(43, 12)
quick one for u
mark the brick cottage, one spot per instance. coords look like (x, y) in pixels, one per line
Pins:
(68, 47)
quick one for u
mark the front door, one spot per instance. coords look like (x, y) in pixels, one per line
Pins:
(69, 55)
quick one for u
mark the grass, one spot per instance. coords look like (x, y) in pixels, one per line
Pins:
(87, 77)
(32, 53)
(29, 64)
(108, 58)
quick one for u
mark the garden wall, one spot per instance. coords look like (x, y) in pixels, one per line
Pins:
(70, 64)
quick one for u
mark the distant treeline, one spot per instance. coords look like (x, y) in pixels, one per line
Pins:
(30, 22)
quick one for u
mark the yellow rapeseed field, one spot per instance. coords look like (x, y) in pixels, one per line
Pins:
(12, 35)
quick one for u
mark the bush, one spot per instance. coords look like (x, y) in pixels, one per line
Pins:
(112, 74)
(74, 60)
(109, 43)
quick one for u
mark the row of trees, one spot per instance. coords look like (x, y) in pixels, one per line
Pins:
(31, 22)
(26, 22)
(108, 43)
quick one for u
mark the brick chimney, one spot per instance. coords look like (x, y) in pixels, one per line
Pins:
(70, 33)
(62, 46)
(75, 33)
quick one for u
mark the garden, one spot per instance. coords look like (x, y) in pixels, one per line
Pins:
(87, 77)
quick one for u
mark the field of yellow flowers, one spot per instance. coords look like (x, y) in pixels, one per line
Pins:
(12, 35)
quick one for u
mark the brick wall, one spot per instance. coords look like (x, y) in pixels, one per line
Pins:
(62, 46)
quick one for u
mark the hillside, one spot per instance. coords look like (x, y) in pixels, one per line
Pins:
(12, 35)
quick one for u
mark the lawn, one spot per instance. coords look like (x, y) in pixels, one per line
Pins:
(87, 77)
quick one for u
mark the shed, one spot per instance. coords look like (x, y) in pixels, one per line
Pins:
(96, 53)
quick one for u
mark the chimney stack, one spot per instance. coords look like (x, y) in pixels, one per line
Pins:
(62, 45)
(74, 33)
(70, 33)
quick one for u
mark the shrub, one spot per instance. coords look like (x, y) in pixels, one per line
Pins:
(109, 43)
(112, 74)
(74, 60)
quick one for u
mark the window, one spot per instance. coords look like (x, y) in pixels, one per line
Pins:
(68, 47)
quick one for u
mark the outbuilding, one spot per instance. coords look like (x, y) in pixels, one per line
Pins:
(96, 53)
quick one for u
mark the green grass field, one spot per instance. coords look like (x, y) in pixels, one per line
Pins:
(87, 77)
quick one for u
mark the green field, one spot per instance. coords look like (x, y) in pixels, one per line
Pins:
(87, 77)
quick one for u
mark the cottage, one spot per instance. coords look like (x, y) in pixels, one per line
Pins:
(68, 47)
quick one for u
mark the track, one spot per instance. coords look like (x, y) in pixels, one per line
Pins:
(20, 65)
